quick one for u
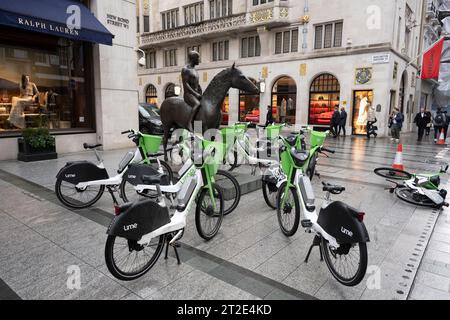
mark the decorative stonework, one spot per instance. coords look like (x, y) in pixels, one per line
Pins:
(363, 75)
(221, 24)
(261, 15)
(284, 13)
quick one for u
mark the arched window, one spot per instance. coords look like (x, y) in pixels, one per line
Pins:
(323, 98)
(284, 100)
(170, 91)
(151, 95)
(249, 106)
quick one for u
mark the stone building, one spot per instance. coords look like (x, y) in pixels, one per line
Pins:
(306, 56)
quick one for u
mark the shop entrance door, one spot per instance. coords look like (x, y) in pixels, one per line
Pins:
(362, 99)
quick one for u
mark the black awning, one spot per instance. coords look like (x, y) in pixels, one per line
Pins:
(50, 16)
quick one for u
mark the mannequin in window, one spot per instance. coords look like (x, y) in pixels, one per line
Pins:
(362, 113)
(28, 93)
(283, 110)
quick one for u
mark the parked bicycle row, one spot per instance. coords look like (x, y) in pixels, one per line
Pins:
(155, 204)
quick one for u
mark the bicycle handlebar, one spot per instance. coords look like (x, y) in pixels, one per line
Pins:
(327, 150)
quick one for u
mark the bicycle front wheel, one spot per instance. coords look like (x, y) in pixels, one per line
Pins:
(209, 212)
(77, 198)
(289, 213)
(413, 197)
(127, 260)
(391, 173)
(230, 189)
(270, 192)
(348, 263)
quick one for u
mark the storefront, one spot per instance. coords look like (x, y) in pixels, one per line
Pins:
(151, 95)
(58, 70)
(362, 100)
(324, 96)
(284, 100)
(249, 108)
(225, 111)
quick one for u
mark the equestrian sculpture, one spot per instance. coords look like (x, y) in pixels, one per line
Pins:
(177, 113)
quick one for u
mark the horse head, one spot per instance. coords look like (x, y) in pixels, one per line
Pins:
(241, 82)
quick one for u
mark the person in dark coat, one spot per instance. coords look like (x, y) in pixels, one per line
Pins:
(342, 121)
(335, 122)
(421, 120)
(269, 116)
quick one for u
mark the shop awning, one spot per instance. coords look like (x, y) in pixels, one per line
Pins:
(51, 16)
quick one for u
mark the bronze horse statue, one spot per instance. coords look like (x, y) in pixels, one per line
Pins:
(175, 112)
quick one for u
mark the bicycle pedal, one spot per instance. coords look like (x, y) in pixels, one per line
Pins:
(306, 223)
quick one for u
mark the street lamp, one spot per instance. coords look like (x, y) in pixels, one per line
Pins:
(177, 90)
(141, 60)
(262, 86)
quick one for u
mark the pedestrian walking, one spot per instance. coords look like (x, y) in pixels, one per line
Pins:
(335, 118)
(421, 121)
(439, 122)
(342, 121)
(396, 123)
(269, 116)
(371, 119)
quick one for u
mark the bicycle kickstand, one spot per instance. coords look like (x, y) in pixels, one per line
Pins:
(316, 243)
(174, 245)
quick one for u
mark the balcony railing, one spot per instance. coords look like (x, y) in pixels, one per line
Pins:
(268, 17)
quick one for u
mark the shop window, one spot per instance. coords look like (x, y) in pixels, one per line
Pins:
(323, 98)
(225, 111)
(284, 100)
(249, 110)
(362, 100)
(151, 96)
(58, 94)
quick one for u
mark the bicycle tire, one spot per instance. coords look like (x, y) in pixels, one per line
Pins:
(288, 232)
(360, 273)
(310, 171)
(228, 208)
(392, 173)
(199, 210)
(266, 186)
(406, 194)
(65, 200)
(128, 276)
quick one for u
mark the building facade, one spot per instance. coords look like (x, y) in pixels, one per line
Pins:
(87, 89)
(306, 56)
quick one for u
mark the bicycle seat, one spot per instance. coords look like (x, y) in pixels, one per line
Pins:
(299, 156)
(91, 146)
(155, 155)
(335, 189)
(153, 179)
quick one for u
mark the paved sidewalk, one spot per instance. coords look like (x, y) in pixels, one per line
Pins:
(249, 258)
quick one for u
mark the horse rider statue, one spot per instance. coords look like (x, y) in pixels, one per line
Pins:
(191, 86)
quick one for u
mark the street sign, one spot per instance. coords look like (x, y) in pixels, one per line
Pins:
(380, 58)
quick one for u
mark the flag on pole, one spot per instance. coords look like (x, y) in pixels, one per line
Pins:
(431, 61)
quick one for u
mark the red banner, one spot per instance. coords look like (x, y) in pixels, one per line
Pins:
(432, 61)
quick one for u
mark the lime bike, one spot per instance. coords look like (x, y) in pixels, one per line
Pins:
(276, 175)
(80, 184)
(140, 230)
(339, 229)
(418, 189)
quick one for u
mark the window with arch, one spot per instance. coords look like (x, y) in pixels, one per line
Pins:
(151, 96)
(324, 96)
(249, 106)
(284, 100)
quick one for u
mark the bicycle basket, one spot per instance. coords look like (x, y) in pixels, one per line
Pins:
(317, 138)
(228, 135)
(212, 163)
(151, 143)
(273, 131)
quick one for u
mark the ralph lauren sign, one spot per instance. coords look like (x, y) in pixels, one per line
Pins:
(47, 26)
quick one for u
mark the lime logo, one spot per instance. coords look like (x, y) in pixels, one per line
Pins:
(130, 227)
(131, 176)
(70, 175)
(346, 232)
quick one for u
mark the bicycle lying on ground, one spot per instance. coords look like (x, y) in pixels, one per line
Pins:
(80, 184)
(418, 189)
(339, 229)
(138, 233)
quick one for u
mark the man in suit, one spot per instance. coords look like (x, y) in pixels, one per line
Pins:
(421, 121)
(342, 121)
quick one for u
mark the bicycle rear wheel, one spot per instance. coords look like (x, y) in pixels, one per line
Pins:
(391, 173)
(348, 263)
(208, 217)
(77, 198)
(413, 197)
(230, 189)
(127, 260)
